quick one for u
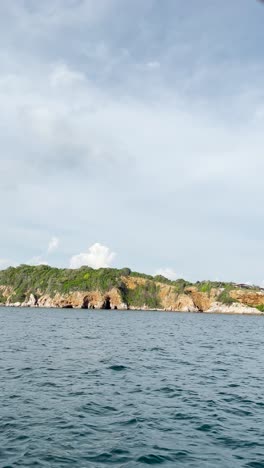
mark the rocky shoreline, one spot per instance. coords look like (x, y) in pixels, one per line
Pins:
(47, 287)
(111, 301)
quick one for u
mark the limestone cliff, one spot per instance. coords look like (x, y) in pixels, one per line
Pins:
(250, 298)
(84, 300)
(121, 289)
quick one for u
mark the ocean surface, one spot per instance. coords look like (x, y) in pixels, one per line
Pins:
(81, 388)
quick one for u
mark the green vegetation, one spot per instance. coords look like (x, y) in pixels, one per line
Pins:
(260, 308)
(43, 279)
(135, 274)
(145, 294)
(207, 286)
(161, 279)
(225, 297)
(2, 299)
(180, 285)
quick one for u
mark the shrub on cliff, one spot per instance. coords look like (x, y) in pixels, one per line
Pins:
(180, 285)
(162, 279)
(2, 299)
(45, 279)
(144, 294)
(225, 297)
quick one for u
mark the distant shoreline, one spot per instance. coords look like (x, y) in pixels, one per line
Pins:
(108, 288)
(215, 312)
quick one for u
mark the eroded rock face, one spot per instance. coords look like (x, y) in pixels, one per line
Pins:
(172, 301)
(84, 300)
(169, 299)
(6, 293)
(132, 282)
(116, 301)
(31, 302)
(250, 298)
(45, 301)
(190, 301)
(201, 300)
(184, 303)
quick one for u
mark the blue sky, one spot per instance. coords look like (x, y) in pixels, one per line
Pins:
(132, 135)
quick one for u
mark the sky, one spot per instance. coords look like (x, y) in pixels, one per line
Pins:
(132, 135)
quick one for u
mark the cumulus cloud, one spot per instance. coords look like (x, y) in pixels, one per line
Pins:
(168, 273)
(98, 256)
(37, 260)
(53, 244)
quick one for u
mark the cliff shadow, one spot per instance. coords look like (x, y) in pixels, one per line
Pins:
(107, 303)
(85, 304)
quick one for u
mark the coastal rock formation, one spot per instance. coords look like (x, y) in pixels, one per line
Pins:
(32, 301)
(184, 303)
(170, 300)
(5, 293)
(250, 298)
(201, 300)
(84, 300)
(236, 308)
(85, 288)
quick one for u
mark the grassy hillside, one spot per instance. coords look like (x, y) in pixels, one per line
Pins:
(44, 279)
(135, 289)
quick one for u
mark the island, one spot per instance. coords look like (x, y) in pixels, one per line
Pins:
(122, 289)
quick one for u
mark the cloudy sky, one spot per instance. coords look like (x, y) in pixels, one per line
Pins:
(132, 135)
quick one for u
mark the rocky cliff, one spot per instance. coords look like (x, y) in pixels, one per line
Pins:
(86, 288)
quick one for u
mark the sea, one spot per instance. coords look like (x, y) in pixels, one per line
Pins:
(87, 388)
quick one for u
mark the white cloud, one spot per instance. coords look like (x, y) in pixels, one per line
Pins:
(98, 256)
(34, 261)
(53, 244)
(70, 98)
(168, 273)
(38, 259)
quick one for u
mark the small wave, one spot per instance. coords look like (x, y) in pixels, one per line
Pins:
(254, 465)
(153, 459)
(48, 384)
(127, 398)
(118, 368)
(130, 422)
(113, 457)
(165, 390)
(205, 428)
(96, 409)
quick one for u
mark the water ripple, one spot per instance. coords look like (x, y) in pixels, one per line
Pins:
(88, 389)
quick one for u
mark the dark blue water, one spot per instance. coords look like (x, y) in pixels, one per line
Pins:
(82, 388)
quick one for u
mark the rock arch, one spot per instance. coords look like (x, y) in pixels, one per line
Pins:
(107, 303)
(85, 304)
